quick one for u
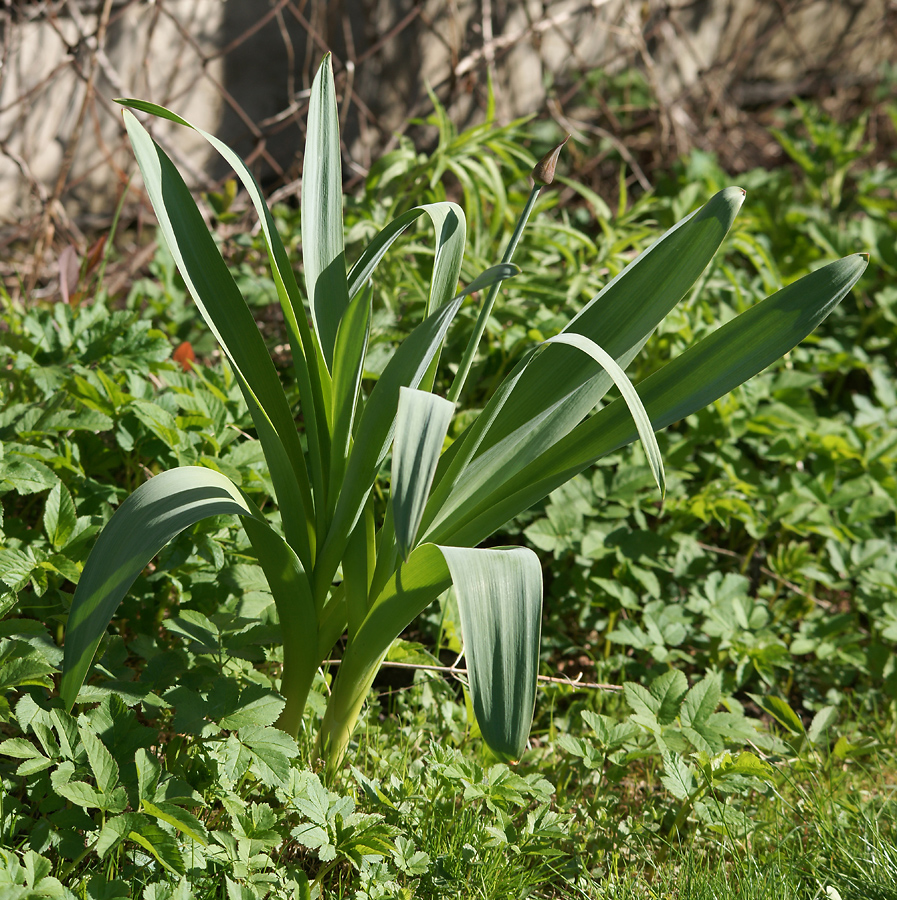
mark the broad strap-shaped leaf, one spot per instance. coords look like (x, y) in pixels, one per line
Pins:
(706, 371)
(546, 396)
(323, 251)
(348, 363)
(499, 595)
(421, 426)
(222, 306)
(629, 395)
(451, 232)
(501, 643)
(408, 367)
(147, 520)
(463, 487)
(302, 345)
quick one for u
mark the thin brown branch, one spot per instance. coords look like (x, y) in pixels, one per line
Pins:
(459, 673)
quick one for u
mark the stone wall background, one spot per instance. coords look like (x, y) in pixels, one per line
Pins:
(242, 69)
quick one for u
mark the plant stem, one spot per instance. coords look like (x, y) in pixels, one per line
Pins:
(467, 361)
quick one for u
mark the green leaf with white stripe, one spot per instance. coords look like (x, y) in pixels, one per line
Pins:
(500, 591)
(711, 368)
(103, 766)
(421, 426)
(500, 602)
(323, 252)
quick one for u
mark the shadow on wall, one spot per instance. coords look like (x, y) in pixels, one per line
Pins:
(242, 68)
(268, 71)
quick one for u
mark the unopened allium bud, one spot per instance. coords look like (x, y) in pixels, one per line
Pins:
(543, 172)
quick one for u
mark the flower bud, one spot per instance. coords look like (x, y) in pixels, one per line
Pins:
(543, 172)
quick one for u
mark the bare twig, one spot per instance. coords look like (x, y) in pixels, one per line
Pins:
(722, 551)
(459, 673)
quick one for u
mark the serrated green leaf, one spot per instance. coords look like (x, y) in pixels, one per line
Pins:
(256, 706)
(33, 766)
(78, 792)
(20, 748)
(37, 868)
(103, 766)
(16, 568)
(822, 722)
(60, 517)
(669, 689)
(182, 820)
(197, 627)
(162, 845)
(701, 701)
(678, 777)
(641, 701)
(271, 751)
(780, 711)
(149, 769)
(234, 759)
(749, 764)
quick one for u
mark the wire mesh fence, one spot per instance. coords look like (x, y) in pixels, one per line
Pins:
(243, 68)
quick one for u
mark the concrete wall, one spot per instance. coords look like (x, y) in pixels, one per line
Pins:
(209, 60)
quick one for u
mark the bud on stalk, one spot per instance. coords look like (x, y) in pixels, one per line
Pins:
(543, 171)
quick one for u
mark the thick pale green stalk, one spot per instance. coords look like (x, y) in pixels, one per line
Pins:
(486, 309)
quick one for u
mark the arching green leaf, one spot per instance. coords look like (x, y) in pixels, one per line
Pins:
(421, 426)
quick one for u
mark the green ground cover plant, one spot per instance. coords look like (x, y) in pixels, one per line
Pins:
(748, 622)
